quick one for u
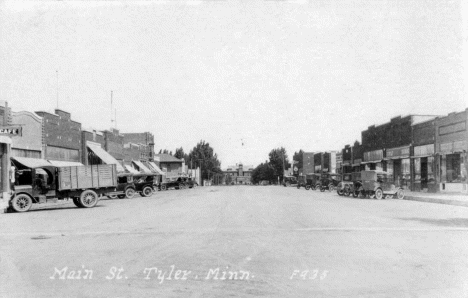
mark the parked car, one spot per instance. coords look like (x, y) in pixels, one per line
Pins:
(190, 182)
(345, 185)
(125, 187)
(306, 181)
(177, 183)
(329, 181)
(289, 181)
(379, 185)
(145, 184)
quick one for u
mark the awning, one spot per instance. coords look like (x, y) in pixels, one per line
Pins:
(32, 162)
(422, 156)
(131, 169)
(356, 164)
(142, 168)
(105, 156)
(59, 163)
(156, 168)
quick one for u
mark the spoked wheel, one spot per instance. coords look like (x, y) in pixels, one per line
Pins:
(163, 187)
(21, 203)
(88, 199)
(147, 191)
(379, 194)
(307, 187)
(318, 187)
(331, 187)
(400, 194)
(112, 196)
(340, 191)
(347, 192)
(130, 193)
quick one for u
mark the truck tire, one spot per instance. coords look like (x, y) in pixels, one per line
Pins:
(21, 203)
(77, 203)
(88, 198)
(112, 196)
(163, 187)
(307, 187)
(147, 191)
(379, 194)
(129, 193)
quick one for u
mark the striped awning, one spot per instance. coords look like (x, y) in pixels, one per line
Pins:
(141, 167)
(156, 168)
(104, 156)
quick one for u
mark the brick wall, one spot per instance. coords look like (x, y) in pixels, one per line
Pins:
(114, 143)
(61, 131)
(424, 133)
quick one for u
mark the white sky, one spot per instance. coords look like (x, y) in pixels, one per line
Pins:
(302, 74)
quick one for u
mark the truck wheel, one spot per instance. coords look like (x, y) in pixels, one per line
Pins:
(318, 187)
(331, 187)
(378, 194)
(21, 203)
(163, 187)
(307, 187)
(147, 191)
(88, 199)
(77, 203)
(112, 196)
(130, 193)
(340, 192)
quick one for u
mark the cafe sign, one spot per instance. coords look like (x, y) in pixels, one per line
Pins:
(11, 130)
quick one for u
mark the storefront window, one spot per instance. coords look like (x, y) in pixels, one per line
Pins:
(378, 166)
(417, 169)
(390, 167)
(453, 164)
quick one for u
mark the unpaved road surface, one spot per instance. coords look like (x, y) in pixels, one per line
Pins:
(239, 241)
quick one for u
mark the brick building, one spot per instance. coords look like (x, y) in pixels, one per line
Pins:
(146, 139)
(62, 137)
(357, 156)
(347, 159)
(114, 144)
(91, 137)
(451, 147)
(422, 157)
(239, 174)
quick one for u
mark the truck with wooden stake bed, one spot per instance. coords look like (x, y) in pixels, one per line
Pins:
(38, 181)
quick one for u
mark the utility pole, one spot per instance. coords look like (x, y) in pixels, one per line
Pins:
(57, 87)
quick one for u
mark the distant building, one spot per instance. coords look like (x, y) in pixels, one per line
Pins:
(146, 140)
(238, 174)
(170, 165)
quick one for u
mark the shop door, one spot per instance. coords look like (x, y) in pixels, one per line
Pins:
(424, 172)
(397, 172)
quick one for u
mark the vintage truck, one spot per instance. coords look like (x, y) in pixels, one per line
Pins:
(38, 181)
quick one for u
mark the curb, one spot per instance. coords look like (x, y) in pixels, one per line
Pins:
(437, 201)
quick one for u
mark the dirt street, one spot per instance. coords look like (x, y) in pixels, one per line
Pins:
(236, 241)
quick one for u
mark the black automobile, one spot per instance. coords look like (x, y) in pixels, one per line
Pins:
(145, 184)
(289, 181)
(125, 187)
(177, 183)
(190, 182)
(329, 181)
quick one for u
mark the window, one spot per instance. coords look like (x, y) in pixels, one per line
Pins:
(453, 163)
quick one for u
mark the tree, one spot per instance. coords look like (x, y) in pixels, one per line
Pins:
(160, 151)
(165, 151)
(264, 171)
(179, 153)
(278, 161)
(202, 155)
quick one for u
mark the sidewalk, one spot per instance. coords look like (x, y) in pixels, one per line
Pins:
(457, 199)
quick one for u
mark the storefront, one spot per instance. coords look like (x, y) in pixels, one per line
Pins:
(451, 150)
(373, 160)
(423, 174)
(452, 161)
(398, 165)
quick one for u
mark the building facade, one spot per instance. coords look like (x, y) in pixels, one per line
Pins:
(238, 174)
(62, 136)
(170, 165)
(30, 143)
(114, 144)
(422, 157)
(146, 139)
(451, 146)
(91, 137)
(308, 163)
